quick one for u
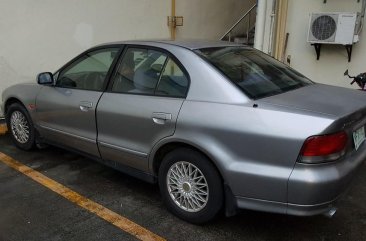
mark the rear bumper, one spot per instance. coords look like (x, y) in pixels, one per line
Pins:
(311, 210)
(315, 185)
(285, 208)
(312, 189)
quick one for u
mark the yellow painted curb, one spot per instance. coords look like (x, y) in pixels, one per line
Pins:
(3, 129)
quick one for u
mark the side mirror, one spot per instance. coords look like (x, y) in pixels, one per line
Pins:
(45, 78)
(346, 73)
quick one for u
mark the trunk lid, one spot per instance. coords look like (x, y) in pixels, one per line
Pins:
(346, 107)
(322, 99)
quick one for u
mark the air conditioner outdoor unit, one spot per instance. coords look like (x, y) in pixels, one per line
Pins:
(333, 28)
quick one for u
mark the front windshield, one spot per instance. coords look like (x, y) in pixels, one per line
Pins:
(254, 72)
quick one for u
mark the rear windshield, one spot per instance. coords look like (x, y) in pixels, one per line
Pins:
(254, 72)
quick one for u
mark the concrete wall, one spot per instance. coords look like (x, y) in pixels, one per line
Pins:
(333, 59)
(42, 35)
(209, 18)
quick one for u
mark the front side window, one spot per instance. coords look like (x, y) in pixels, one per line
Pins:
(88, 72)
(256, 74)
(144, 71)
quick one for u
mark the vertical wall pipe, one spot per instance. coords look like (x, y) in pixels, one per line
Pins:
(172, 23)
(271, 30)
(260, 24)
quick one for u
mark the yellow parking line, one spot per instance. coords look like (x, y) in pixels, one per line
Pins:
(93, 207)
(3, 129)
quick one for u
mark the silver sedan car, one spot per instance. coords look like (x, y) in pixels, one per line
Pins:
(219, 126)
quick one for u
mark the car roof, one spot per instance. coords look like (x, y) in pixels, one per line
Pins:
(188, 44)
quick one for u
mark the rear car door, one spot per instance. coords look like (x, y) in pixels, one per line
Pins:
(141, 106)
(66, 111)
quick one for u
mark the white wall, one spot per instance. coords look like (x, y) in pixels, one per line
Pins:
(42, 35)
(333, 58)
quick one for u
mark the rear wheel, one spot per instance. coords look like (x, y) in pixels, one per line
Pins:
(20, 126)
(191, 186)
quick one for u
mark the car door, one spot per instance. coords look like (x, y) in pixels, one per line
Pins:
(141, 107)
(66, 111)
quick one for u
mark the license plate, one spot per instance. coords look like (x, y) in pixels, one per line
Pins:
(359, 137)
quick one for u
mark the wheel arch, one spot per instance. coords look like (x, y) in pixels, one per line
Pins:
(165, 148)
(11, 101)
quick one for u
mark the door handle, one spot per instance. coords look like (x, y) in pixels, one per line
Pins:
(85, 105)
(160, 117)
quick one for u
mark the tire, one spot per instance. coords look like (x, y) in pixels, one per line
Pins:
(21, 127)
(180, 192)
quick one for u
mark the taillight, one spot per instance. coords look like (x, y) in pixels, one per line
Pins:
(323, 148)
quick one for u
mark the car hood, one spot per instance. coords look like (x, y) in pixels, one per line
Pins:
(322, 99)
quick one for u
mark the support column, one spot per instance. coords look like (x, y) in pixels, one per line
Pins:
(280, 36)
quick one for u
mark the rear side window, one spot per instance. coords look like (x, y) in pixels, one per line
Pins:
(173, 81)
(149, 72)
(139, 71)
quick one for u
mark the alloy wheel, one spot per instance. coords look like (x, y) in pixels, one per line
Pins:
(19, 127)
(187, 186)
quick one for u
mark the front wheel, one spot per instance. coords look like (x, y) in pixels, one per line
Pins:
(190, 185)
(21, 127)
